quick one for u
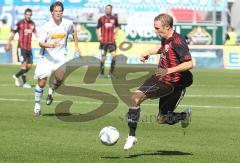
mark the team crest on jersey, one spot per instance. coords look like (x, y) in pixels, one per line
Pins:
(166, 48)
(164, 51)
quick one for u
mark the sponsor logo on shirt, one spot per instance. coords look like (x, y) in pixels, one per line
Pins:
(27, 31)
(60, 35)
(108, 25)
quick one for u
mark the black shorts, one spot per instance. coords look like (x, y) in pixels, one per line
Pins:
(108, 47)
(170, 102)
(25, 56)
(169, 96)
(153, 88)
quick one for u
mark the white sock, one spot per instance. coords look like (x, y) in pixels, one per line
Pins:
(50, 91)
(37, 107)
(38, 94)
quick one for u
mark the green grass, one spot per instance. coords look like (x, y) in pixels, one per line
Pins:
(213, 135)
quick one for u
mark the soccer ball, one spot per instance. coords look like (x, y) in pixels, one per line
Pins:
(109, 135)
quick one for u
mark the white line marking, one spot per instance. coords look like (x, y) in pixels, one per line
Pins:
(214, 96)
(110, 84)
(188, 96)
(121, 103)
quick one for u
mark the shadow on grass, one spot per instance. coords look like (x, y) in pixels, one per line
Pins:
(108, 157)
(162, 153)
(157, 153)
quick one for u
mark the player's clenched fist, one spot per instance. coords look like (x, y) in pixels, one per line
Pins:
(144, 57)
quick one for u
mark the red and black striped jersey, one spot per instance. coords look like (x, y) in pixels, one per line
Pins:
(173, 52)
(25, 30)
(107, 24)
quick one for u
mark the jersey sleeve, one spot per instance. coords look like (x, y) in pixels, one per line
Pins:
(42, 34)
(16, 27)
(181, 49)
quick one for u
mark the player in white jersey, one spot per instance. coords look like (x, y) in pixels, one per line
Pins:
(53, 43)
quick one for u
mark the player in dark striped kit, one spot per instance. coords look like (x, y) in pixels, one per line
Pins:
(24, 28)
(169, 81)
(106, 30)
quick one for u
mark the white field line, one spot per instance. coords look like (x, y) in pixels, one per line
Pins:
(188, 96)
(121, 103)
(103, 85)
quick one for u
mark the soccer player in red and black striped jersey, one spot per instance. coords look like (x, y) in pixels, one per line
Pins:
(106, 30)
(169, 81)
(24, 28)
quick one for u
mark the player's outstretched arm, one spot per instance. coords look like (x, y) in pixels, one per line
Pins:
(77, 49)
(144, 57)
(98, 34)
(8, 46)
(36, 35)
(48, 45)
(115, 33)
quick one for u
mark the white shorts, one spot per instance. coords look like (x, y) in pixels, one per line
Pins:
(46, 67)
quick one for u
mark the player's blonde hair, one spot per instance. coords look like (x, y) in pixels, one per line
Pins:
(165, 19)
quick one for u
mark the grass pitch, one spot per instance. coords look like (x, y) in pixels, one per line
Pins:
(213, 135)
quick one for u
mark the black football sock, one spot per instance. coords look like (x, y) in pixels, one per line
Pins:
(20, 72)
(112, 66)
(101, 68)
(133, 118)
(24, 76)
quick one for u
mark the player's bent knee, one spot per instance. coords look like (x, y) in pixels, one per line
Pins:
(59, 78)
(136, 99)
(42, 83)
(24, 64)
(29, 67)
(103, 59)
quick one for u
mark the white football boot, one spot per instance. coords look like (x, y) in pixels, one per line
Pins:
(26, 85)
(130, 141)
(17, 83)
(37, 110)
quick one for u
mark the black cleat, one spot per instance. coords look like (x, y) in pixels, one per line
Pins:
(49, 99)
